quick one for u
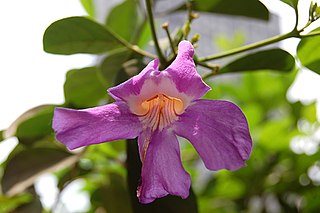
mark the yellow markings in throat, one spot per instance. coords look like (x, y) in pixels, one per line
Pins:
(160, 111)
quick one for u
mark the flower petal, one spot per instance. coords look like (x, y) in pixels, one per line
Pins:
(162, 171)
(219, 132)
(133, 86)
(184, 74)
(76, 128)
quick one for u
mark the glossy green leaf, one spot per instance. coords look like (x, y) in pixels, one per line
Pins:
(23, 168)
(84, 88)
(78, 35)
(308, 52)
(168, 204)
(36, 127)
(88, 6)
(247, 8)
(123, 19)
(273, 60)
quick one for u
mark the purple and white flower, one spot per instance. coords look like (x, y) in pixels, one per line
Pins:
(156, 106)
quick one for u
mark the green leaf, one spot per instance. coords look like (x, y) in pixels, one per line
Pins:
(36, 127)
(1, 135)
(292, 3)
(9, 204)
(78, 35)
(84, 88)
(67, 175)
(22, 169)
(120, 65)
(273, 59)
(309, 112)
(113, 64)
(88, 6)
(145, 35)
(227, 186)
(254, 113)
(247, 8)
(108, 196)
(36, 114)
(224, 42)
(311, 199)
(34, 206)
(308, 52)
(123, 19)
(171, 204)
(276, 134)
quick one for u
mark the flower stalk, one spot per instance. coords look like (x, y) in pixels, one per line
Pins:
(214, 68)
(162, 59)
(165, 26)
(191, 17)
(214, 71)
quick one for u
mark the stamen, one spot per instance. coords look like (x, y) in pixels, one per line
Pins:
(160, 111)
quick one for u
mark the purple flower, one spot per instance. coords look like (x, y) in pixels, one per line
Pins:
(156, 106)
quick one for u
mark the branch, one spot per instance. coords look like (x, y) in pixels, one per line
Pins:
(272, 40)
(154, 34)
(130, 46)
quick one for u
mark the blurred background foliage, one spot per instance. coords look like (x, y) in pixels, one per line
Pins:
(282, 174)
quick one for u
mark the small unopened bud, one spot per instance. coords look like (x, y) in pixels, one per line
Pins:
(317, 11)
(314, 11)
(195, 38)
(165, 25)
(186, 28)
(194, 15)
